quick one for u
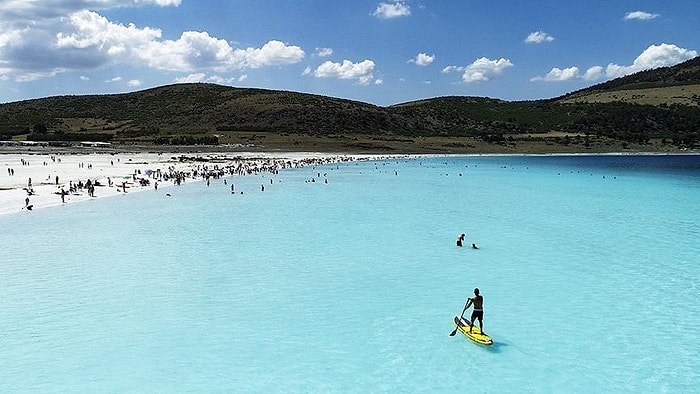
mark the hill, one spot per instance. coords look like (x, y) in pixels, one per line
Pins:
(679, 84)
(651, 110)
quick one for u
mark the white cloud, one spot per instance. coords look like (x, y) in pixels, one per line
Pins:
(538, 37)
(219, 79)
(640, 15)
(162, 3)
(192, 78)
(559, 75)
(9, 37)
(273, 53)
(96, 35)
(323, 52)
(379, 81)
(423, 59)
(31, 75)
(484, 69)
(393, 10)
(203, 77)
(655, 56)
(451, 69)
(85, 40)
(37, 10)
(594, 73)
(134, 83)
(362, 71)
(84, 78)
(192, 51)
(115, 79)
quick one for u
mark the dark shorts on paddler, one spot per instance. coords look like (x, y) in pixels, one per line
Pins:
(478, 315)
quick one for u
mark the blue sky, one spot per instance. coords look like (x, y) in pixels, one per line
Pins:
(380, 52)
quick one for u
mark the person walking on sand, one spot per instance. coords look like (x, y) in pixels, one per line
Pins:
(460, 239)
(478, 312)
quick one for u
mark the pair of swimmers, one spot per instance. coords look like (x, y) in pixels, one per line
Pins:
(460, 240)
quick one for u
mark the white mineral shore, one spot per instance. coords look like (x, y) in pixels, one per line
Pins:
(53, 174)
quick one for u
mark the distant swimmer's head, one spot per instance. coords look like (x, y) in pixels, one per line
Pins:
(476, 291)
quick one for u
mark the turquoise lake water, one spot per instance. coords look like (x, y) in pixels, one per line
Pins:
(589, 267)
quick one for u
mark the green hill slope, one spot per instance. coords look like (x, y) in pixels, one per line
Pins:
(679, 84)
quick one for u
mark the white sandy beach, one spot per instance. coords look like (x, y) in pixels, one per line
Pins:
(42, 178)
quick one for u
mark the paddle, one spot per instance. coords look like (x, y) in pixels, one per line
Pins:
(460, 318)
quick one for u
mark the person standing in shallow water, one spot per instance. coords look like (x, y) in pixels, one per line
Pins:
(478, 312)
(460, 239)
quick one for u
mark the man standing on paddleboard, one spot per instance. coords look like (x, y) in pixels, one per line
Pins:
(478, 313)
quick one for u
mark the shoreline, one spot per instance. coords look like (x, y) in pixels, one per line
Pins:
(34, 181)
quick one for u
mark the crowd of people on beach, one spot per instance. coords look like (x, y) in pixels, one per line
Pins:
(178, 171)
(222, 168)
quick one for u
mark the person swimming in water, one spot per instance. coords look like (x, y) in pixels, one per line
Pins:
(460, 239)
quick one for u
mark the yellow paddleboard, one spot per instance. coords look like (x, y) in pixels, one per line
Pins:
(476, 335)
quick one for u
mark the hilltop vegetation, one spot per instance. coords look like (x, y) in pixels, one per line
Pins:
(652, 110)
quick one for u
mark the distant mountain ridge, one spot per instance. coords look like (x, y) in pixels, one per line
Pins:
(656, 104)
